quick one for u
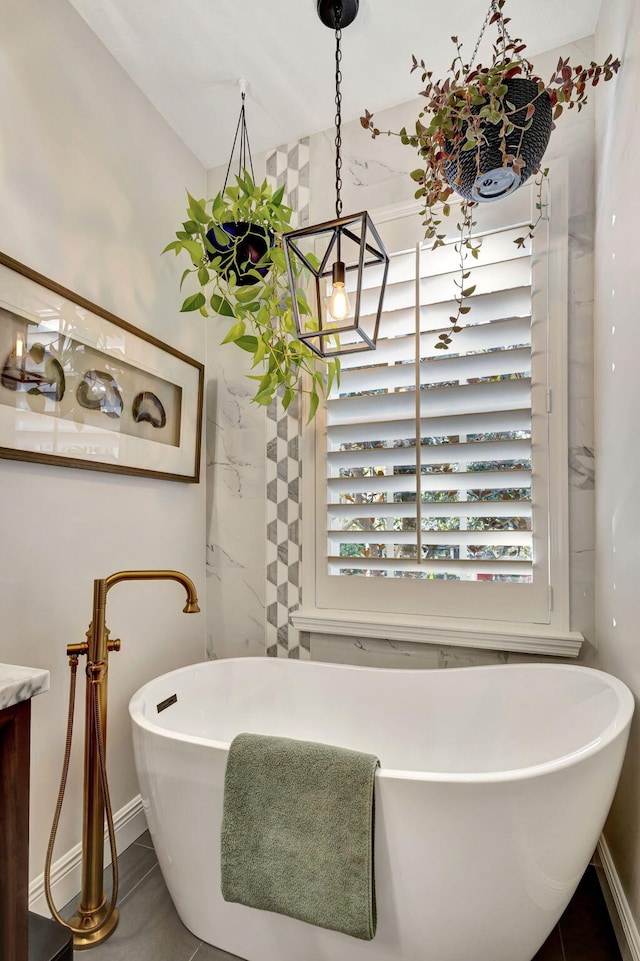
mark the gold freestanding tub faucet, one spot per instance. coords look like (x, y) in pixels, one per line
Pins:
(95, 919)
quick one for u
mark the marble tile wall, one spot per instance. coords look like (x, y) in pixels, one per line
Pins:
(235, 475)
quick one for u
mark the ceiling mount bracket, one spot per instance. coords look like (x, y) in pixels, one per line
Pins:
(327, 12)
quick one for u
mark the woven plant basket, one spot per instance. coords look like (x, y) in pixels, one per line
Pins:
(481, 175)
(248, 243)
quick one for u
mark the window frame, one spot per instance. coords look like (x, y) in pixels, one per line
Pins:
(549, 636)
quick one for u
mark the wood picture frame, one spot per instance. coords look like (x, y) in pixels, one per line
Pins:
(79, 387)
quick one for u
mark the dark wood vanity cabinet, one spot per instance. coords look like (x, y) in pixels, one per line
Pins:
(24, 936)
(15, 725)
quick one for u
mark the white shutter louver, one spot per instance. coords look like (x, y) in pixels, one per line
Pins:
(429, 452)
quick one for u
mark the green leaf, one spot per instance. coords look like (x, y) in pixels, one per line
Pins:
(221, 306)
(278, 195)
(260, 351)
(246, 294)
(185, 274)
(203, 276)
(330, 378)
(222, 237)
(235, 332)
(265, 384)
(196, 210)
(313, 405)
(264, 397)
(287, 397)
(249, 343)
(278, 258)
(174, 245)
(194, 302)
(194, 250)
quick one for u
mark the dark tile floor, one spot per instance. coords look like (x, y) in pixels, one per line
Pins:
(150, 930)
(584, 932)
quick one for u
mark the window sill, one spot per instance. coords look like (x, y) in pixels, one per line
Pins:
(486, 635)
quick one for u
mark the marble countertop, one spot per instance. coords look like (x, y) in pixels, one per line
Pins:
(20, 683)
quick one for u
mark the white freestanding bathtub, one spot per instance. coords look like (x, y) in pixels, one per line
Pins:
(493, 789)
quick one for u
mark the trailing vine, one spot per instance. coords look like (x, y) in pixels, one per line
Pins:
(252, 292)
(463, 112)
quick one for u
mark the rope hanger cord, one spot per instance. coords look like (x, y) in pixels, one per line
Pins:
(244, 149)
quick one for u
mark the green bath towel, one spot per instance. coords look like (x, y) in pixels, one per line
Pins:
(297, 831)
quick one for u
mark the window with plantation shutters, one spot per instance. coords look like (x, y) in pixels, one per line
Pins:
(435, 468)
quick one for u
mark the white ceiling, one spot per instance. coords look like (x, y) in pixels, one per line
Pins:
(187, 56)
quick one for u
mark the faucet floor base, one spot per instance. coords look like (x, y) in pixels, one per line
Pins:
(97, 931)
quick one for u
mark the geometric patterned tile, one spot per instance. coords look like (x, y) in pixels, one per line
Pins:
(272, 490)
(283, 552)
(288, 165)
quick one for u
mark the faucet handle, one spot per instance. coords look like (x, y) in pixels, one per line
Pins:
(77, 650)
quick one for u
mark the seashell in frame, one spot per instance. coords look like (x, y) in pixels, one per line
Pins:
(37, 372)
(148, 407)
(99, 391)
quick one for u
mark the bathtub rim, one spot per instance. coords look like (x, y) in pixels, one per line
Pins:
(616, 727)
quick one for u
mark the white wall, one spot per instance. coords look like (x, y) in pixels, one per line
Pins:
(375, 176)
(617, 405)
(91, 189)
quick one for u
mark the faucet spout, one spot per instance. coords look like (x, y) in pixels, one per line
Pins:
(191, 607)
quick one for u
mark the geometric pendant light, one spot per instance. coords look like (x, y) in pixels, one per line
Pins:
(345, 256)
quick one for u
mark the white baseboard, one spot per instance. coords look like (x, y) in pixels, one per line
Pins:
(624, 924)
(66, 872)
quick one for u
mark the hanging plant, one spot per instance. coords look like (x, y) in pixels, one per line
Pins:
(482, 134)
(234, 244)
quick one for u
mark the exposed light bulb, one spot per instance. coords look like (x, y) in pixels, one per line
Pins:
(19, 345)
(338, 306)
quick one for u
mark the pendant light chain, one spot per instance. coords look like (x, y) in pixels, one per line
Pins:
(337, 305)
(338, 117)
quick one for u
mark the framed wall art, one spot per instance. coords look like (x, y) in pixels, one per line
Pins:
(81, 388)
